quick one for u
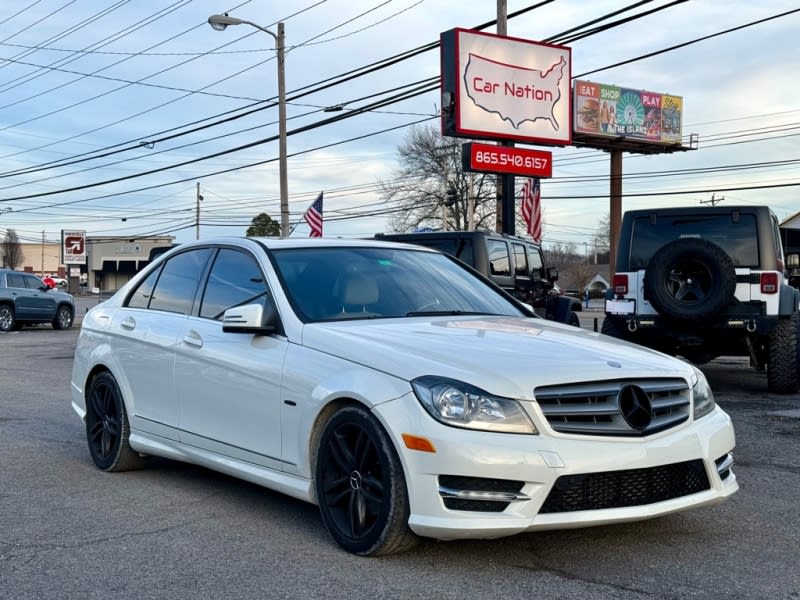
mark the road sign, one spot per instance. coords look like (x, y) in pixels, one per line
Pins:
(73, 247)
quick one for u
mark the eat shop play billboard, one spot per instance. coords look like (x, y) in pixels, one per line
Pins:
(502, 88)
(611, 111)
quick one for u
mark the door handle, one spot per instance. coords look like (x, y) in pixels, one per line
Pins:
(128, 323)
(193, 339)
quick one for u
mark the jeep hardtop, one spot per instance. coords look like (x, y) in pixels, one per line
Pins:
(704, 282)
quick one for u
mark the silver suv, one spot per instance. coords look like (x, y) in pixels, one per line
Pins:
(706, 282)
(26, 300)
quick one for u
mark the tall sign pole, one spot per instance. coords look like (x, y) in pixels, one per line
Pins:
(505, 183)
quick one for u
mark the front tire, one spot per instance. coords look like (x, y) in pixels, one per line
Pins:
(782, 368)
(63, 318)
(360, 485)
(107, 427)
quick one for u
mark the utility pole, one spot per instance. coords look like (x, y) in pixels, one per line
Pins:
(42, 271)
(714, 200)
(197, 214)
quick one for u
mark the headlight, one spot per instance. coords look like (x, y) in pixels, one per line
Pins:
(462, 405)
(702, 395)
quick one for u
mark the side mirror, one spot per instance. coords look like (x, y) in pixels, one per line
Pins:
(250, 318)
(793, 261)
(552, 274)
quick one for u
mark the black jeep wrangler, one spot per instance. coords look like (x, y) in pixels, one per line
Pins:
(513, 263)
(705, 282)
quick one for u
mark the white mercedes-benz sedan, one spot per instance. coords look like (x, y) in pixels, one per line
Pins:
(395, 388)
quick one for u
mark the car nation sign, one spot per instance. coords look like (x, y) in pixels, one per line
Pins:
(73, 247)
(501, 88)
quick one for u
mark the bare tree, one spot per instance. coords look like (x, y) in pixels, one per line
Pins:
(12, 250)
(602, 239)
(430, 178)
(581, 273)
(561, 255)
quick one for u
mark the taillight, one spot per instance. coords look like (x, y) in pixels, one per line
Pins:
(769, 283)
(620, 284)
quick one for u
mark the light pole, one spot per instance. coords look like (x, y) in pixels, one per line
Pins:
(220, 22)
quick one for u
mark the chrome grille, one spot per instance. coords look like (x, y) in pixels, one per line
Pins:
(593, 408)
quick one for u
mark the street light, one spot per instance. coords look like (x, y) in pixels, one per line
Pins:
(219, 23)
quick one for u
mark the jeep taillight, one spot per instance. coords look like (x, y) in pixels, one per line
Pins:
(620, 284)
(769, 283)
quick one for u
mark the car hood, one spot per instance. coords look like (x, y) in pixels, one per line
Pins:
(507, 356)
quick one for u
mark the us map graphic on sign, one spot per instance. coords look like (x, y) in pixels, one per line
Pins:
(517, 94)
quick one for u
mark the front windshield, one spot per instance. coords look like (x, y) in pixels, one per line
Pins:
(327, 283)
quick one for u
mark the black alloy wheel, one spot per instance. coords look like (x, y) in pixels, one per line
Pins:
(360, 485)
(107, 428)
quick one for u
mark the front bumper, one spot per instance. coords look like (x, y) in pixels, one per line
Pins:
(536, 462)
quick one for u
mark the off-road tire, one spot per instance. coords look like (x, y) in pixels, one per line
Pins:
(783, 364)
(610, 327)
(690, 280)
(107, 427)
(360, 486)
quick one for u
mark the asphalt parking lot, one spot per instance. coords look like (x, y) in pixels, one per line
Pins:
(178, 531)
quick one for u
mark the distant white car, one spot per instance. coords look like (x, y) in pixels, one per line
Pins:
(394, 388)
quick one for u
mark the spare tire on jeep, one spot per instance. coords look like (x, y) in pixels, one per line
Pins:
(690, 279)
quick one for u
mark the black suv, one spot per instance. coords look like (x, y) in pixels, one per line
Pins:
(706, 282)
(513, 263)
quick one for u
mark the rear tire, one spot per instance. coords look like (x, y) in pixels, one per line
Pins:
(7, 322)
(610, 327)
(573, 319)
(782, 368)
(107, 427)
(360, 486)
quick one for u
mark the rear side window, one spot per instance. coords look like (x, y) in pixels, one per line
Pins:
(738, 238)
(177, 286)
(235, 280)
(460, 248)
(498, 258)
(15, 281)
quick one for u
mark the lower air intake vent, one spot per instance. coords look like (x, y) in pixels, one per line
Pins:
(633, 487)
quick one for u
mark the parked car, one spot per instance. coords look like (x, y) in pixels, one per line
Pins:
(703, 282)
(26, 300)
(515, 264)
(395, 388)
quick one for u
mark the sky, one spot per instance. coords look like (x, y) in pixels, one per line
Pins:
(97, 101)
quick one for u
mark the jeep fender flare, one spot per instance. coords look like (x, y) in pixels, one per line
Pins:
(790, 300)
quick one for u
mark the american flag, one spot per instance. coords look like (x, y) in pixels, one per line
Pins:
(313, 217)
(532, 208)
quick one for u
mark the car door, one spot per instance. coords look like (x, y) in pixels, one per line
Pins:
(147, 328)
(43, 305)
(229, 384)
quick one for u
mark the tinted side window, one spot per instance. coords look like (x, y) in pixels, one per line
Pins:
(498, 258)
(140, 298)
(235, 279)
(520, 262)
(739, 239)
(177, 286)
(15, 281)
(537, 264)
(32, 283)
